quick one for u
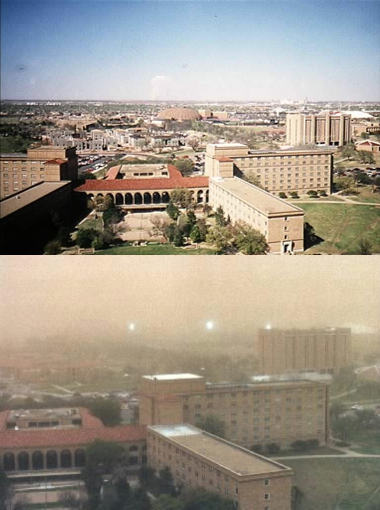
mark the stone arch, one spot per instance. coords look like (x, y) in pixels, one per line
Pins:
(147, 198)
(207, 195)
(119, 199)
(100, 196)
(138, 199)
(51, 459)
(128, 199)
(79, 458)
(200, 196)
(156, 198)
(165, 197)
(111, 197)
(37, 460)
(9, 462)
(66, 460)
(90, 196)
(192, 195)
(23, 461)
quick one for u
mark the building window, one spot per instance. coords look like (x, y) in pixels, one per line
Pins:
(267, 496)
(266, 482)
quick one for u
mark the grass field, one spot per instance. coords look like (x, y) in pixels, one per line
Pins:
(332, 484)
(154, 249)
(91, 222)
(366, 195)
(342, 226)
(321, 450)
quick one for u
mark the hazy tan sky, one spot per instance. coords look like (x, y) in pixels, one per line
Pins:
(173, 297)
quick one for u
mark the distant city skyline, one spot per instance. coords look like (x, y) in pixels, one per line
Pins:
(190, 50)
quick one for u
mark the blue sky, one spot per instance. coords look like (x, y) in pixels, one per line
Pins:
(190, 50)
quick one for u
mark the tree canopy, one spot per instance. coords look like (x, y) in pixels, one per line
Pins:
(107, 410)
(212, 424)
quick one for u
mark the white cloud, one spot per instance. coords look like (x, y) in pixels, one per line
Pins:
(160, 87)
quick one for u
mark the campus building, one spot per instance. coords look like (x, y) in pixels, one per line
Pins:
(26, 217)
(280, 222)
(326, 128)
(199, 459)
(276, 171)
(42, 164)
(145, 191)
(258, 413)
(52, 442)
(278, 351)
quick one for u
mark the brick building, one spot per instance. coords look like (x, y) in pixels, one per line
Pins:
(51, 442)
(295, 350)
(276, 171)
(42, 164)
(266, 412)
(325, 128)
(199, 459)
(281, 223)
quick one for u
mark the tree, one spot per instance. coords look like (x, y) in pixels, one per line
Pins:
(111, 215)
(105, 456)
(282, 195)
(273, 448)
(212, 424)
(87, 176)
(123, 491)
(106, 410)
(365, 246)
(348, 151)
(207, 208)
(160, 226)
(6, 495)
(181, 197)
(139, 500)
(363, 178)
(252, 178)
(166, 502)
(108, 203)
(366, 157)
(170, 231)
(191, 218)
(185, 166)
(221, 238)
(294, 194)
(364, 135)
(193, 142)
(220, 219)
(249, 240)
(63, 236)
(146, 475)
(199, 499)
(53, 248)
(195, 235)
(85, 237)
(166, 482)
(178, 238)
(345, 427)
(312, 193)
(172, 211)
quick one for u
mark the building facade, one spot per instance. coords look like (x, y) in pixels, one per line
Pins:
(279, 351)
(43, 448)
(145, 191)
(198, 459)
(280, 222)
(327, 129)
(257, 413)
(281, 171)
(42, 164)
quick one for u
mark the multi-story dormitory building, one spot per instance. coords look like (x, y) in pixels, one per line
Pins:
(199, 459)
(267, 412)
(278, 351)
(325, 128)
(276, 170)
(41, 164)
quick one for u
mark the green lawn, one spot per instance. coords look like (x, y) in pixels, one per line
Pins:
(322, 450)
(342, 226)
(366, 195)
(369, 442)
(154, 249)
(332, 484)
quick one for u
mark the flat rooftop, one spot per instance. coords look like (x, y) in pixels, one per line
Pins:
(228, 145)
(232, 457)
(256, 197)
(39, 414)
(172, 377)
(27, 196)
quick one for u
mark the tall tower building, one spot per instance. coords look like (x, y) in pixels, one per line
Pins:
(326, 129)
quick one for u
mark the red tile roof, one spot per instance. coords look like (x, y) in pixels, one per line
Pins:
(224, 159)
(112, 172)
(174, 181)
(56, 161)
(67, 437)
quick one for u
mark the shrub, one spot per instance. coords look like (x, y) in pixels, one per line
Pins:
(256, 448)
(282, 195)
(86, 236)
(273, 448)
(53, 248)
(294, 194)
